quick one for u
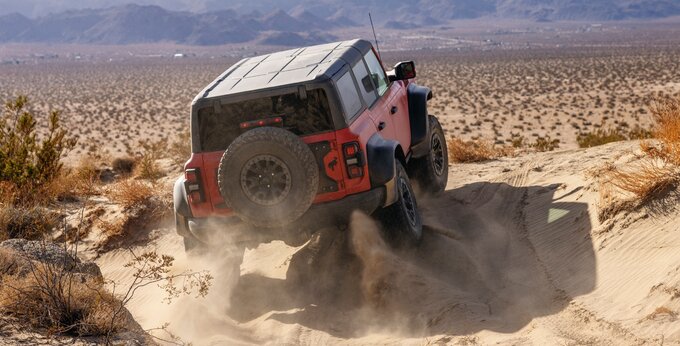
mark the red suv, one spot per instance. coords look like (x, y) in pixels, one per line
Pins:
(308, 135)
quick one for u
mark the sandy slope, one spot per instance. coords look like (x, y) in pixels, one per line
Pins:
(513, 253)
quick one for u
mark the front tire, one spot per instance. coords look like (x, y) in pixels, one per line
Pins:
(402, 220)
(431, 172)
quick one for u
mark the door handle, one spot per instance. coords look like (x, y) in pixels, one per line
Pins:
(394, 109)
(381, 126)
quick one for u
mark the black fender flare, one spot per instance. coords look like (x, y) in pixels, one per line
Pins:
(180, 200)
(380, 153)
(418, 116)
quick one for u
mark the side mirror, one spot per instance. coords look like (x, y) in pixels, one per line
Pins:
(404, 70)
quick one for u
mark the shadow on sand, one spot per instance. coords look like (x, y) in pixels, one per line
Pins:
(493, 257)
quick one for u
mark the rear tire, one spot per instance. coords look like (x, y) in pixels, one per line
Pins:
(431, 172)
(402, 220)
(190, 242)
(268, 176)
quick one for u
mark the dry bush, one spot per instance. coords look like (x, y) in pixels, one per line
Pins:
(662, 311)
(85, 176)
(150, 152)
(62, 302)
(666, 115)
(142, 208)
(123, 165)
(657, 174)
(645, 181)
(180, 149)
(72, 184)
(131, 192)
(474, 151)
(113, 229)
(32, 223)
(47, 296)
(8, 262)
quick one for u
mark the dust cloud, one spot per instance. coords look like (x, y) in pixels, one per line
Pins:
(474, 270)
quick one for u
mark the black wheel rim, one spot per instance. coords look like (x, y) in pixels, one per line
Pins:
(407, 201)
(437, 154)
(265, 180)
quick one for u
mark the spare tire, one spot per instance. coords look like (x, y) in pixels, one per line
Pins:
(268, 176)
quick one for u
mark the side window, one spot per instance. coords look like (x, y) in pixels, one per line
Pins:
(349, 95)
(377, 72)
(365, 84)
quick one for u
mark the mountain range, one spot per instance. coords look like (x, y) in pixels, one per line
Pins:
(283, 22)
(144, 24)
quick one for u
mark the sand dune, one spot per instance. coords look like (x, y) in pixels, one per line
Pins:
(513, 253)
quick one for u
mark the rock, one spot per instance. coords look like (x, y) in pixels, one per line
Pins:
(51, 253)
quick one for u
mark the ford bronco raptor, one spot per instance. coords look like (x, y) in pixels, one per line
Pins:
(308, 135)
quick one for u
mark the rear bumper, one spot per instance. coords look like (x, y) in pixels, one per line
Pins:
(318, 216)
(338, 212)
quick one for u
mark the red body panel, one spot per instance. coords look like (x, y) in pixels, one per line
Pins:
(360, 131)
(397, 125)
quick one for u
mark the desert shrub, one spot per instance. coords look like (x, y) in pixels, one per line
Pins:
(143, 208)
(470, 151)
(74, 183)
(28, 163)
(29, 223)
(599, 137)
(83, 178)
(661, 311)
(518, 141)
(666, 115)
(131, 192)
(48, 296)
(63, 302)
(639, 132)
(545, 144)
(8, 262)
(150, 152)
(180, 149)
(646, 180)
(658, 173)
(604, 136)
(123, 165)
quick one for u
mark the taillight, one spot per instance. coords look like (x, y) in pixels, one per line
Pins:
(354, 159)
(192, 185)
(276, 121)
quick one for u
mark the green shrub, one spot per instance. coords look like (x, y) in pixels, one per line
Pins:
(545, 144)
(29, 163)
(600, 137)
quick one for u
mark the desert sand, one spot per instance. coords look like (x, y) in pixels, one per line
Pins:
(513, 253)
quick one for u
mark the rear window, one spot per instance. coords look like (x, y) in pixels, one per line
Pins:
(302, 117)
(349, 95)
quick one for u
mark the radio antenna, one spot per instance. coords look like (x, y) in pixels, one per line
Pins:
(377, 46)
